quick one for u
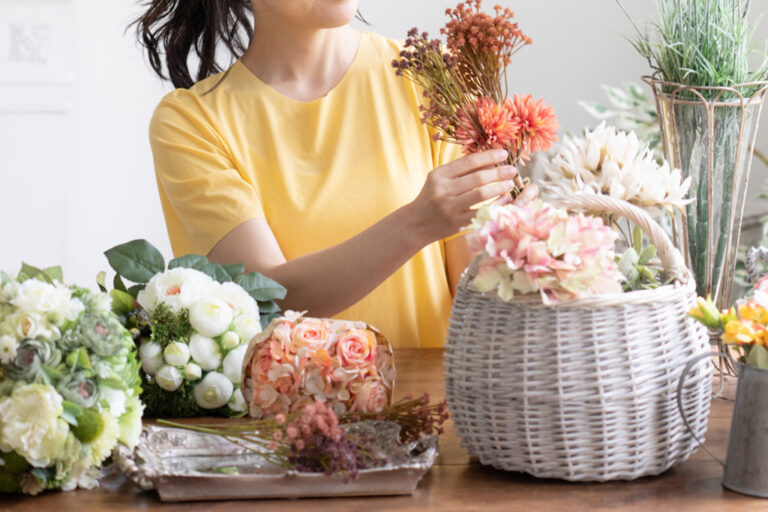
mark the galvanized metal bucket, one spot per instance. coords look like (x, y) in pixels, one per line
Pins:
(746, 462)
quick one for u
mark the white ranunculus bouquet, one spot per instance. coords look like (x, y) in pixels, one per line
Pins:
(192, 323)
(69, 383)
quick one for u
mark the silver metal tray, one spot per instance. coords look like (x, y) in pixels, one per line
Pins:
(189, 466)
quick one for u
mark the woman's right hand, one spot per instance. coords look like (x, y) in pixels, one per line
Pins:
(444, 204)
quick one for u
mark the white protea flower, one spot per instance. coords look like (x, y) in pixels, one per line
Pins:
(237, 298)
(177, 288)
(205, 352)
(247, 327)
(615, 163)
(210, 316)
(233, 363)
(151, 356)
(213, 391)
(169, 378)
(192, 371)
(176, 354)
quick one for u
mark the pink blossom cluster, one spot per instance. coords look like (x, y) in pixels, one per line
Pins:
(530, 246)
(307, 360)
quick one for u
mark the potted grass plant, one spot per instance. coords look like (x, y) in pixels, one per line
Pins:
(709, 82)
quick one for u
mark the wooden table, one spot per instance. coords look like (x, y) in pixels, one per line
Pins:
(457, 482)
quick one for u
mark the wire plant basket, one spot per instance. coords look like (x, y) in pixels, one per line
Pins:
(584, 389)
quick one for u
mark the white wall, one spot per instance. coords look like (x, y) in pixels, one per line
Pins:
(75, 168)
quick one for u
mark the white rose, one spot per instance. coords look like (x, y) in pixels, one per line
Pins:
(204, 352)
(233, 363)
(177, 288)
(192, 371)
(54, 301)
(213, 391)
(30, 424)
(8, 347)
(151, 355)
(169, 378)
(115, 398)
(176, 354)
(247, 327)
(230, 340)
(210, 316)
(234, 295)
(237, 402)
(32, 325)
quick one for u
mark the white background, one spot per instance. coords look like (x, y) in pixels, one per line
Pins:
(75, 165)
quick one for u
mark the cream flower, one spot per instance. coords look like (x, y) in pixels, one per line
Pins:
(30, 424)
(230, 340)
(101, 447)
(247, 327)
(8, 347)
(176, 354)
(237, 298)
(615, 163)
(205, 352)
(210, 316)
(237, 402)
(192, 371)
(213, 391)
(169, 378)
(115, 399)
(177, 288)
(151, 355)
(46, 300)
(233, 363)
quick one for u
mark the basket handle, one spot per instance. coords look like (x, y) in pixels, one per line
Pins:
(754, 255)
(681, 383)
(671, 259)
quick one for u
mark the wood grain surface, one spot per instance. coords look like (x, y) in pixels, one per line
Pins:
(457, 482)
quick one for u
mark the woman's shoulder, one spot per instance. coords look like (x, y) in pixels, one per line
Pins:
(384, 47)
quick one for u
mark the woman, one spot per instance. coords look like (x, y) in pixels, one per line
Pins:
(306, 161)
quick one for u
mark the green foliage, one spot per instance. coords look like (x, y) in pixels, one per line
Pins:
(758, 356)
(174, 404)
(89, 426)
(137, 260)
(49, 275)
(701, 43)
(636, 263)
(168, 326)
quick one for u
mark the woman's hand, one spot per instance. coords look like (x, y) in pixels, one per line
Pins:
(444, 204)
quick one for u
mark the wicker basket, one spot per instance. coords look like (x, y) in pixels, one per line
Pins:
(585, 389)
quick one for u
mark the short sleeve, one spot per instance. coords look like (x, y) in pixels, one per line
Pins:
(203, 194)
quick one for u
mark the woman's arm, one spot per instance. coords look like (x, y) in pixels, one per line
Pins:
(328, 281)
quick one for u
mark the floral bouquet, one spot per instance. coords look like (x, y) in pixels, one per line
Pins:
(464, 84)
(69, 383)
(743, 327)
(192, 323)
(297, 361)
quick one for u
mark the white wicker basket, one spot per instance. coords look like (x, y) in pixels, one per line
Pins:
(585, 389)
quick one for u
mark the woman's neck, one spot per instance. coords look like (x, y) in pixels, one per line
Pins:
(303, 65)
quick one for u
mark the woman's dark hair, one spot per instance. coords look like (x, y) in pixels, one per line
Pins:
(176, 28)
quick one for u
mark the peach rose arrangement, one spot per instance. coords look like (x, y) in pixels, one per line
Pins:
(299, 360)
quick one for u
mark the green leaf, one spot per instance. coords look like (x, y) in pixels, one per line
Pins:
(217, 272)
(758, 356)
(647, 255)
(118, 283)
(137, 260)
(70, 412)
(30, 272)
(261, 287)
(234, 269)
(54, 273)
(134, 290)
(266, 319)
(122, 302)
(268, 307)
(101, 280)
(195, 261)
(637, 239)
(5, 277)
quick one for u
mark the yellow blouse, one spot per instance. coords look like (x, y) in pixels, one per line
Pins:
(231, 149)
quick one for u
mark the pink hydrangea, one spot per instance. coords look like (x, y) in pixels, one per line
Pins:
(531, 246)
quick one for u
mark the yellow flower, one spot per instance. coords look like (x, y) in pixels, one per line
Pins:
(754, 312)
(740, 332)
